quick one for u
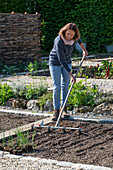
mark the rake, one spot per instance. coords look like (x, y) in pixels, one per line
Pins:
(57, 122)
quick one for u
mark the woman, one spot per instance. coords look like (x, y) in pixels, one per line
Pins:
(60, 65)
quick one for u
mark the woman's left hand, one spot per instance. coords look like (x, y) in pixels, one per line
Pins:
(85, 53)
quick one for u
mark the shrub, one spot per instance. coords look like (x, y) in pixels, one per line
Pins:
(106, 69)
(31, 91)
(82, 94)
(33, 67)
(44, 98)
(6, 93)
(9, 69)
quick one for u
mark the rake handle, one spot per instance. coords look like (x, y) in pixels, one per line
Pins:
(56, 125)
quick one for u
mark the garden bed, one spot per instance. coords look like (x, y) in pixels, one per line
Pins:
(10, 121)
(93, 146)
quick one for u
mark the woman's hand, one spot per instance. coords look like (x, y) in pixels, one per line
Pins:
(73, 79)
(85, 53)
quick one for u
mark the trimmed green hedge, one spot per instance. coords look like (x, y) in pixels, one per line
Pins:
(93, 17)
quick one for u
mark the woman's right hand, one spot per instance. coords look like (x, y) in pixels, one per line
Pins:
(73, 79)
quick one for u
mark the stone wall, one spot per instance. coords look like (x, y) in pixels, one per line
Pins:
(20, 36)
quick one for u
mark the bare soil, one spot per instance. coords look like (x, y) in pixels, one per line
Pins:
(10, 121)
(93, 146)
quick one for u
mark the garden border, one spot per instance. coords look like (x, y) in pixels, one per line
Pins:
(48, 162)
(46, 120)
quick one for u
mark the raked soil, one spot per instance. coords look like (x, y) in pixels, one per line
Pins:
(93, 146)
(10, 121)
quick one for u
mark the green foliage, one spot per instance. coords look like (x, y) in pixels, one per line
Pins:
(35, 66)
(30, 67)
(44, 98)
(5, 93)
(31, 91)
(82, 95)
(5, 69)
(94, 19)
(106, 69)
(22, 139)
(44, 65)
(9, 69)
(19, 6)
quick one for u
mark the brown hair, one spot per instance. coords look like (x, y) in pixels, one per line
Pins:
(71, 26)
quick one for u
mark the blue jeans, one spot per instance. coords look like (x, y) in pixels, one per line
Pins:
(61, 80)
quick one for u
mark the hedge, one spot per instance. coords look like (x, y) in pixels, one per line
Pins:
(93, 17)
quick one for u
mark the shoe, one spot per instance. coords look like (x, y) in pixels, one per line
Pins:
(65, 114)
(55, 116)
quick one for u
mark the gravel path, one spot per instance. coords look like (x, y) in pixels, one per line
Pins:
(13, 162)
(104, 84)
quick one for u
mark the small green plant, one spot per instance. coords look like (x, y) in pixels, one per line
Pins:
(9, 139)
(107, 69)
(6, 93)
(36, 65)
(33, 136)
(12, 143)
(30, 68)
(22, 139)
(21, 66)
(9, 69)
(33, 67)
(31, 91)
(44, 65)
(44, 98)
(83, 94)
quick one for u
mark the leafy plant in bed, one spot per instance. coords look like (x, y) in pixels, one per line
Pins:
(83, 95)
(22, 143)
(6, 93)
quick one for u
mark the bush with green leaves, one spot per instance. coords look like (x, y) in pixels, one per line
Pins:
(20, 141)
(106, 70)
(6, 69)
(33, 67)
(94, 19)
(31, 91)
(6, 93)
(30, 68)
(42, 100)
(44, 65)
(9, 69)
(82, 95)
